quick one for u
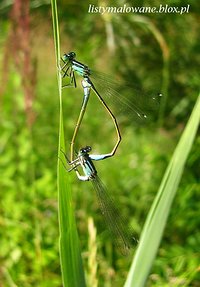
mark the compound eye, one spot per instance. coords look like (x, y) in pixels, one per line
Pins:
(88, 148)
(71, 55)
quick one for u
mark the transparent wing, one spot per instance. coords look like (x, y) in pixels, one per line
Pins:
(123, 236)
(127, 98)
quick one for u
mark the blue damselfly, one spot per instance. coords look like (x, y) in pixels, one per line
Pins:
(138, 105)
(123, 236)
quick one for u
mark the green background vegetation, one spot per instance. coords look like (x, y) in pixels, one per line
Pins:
(157, 52)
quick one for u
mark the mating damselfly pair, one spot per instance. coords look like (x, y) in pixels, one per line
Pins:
(124, 237)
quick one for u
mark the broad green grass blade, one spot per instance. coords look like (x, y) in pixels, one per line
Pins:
(70, 255)
(155, 223)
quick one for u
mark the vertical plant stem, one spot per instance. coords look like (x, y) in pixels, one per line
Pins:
(70, 255)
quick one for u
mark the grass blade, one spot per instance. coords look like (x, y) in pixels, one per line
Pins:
(157, 217)
(70, 255)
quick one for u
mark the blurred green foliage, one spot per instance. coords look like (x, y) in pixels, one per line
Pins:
(28, 154)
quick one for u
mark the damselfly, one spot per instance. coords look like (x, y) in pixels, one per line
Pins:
(117, 224)
(137, 105)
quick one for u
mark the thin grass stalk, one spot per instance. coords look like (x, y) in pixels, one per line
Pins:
(70, 255)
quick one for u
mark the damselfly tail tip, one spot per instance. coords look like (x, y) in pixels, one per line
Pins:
(158, 95)
(127, 247)
(136, 240)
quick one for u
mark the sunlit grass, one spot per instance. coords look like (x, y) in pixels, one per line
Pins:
(158, 214)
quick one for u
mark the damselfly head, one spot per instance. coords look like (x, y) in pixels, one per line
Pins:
(85, 150)
(68, 57)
